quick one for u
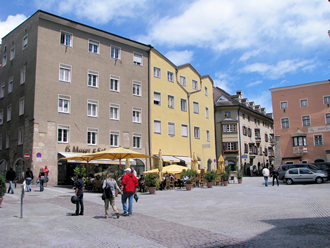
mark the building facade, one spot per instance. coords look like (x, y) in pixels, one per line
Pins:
(181, 113)
(67, 87)
(302, 122)
(244, 132)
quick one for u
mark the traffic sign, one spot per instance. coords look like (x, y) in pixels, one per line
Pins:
(26, 156)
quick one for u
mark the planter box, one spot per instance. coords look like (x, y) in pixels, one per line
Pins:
(209, 184)
(152, 190)
(188, 186)
(225, 183)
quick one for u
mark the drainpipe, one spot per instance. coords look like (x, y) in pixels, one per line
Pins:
(149, 109)
(239, 133)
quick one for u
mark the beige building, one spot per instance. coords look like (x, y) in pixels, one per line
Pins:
(67, 87)
(302, 122)
(244, 132)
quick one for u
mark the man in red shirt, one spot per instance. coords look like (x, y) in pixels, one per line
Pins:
(129, 185)
(46, 170)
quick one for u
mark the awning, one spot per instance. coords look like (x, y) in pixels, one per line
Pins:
(167, 158)
(187, 160)
(97, 161)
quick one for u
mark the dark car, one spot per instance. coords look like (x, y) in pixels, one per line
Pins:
(325, 166)
(284, 167)
(298, 175)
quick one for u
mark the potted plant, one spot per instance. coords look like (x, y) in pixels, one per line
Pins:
(191, 174)
(150, 181)
(2, 188)
(225, 175)
(240, 173)
(210, 176)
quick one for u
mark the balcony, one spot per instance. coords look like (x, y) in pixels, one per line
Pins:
(299, 150)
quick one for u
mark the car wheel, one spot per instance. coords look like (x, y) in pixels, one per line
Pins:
(289, 181)
(319, 180)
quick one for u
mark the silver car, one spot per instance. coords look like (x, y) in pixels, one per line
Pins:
(304, 175)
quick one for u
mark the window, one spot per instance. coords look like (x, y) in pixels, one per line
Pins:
(318, 140)
(306, 121)
(170, 100)
(62, 134)
(23, 75)
(285, 123)
(257, 133)
(1, 116)
(326, 99)
(92, 108)
(65, 73)
(66, 39)
(206, 91)
(114, 139)
(183, 105)
(25, 42)
(114, 83)
(64, 104)
(94, 46)
(196, 107)
(4, 60)
(12, 53)
(171, 129)
(246, 148)
(8, 112)
(157, 98)
(327, 118)
(229, 128)
(196, 133)
(244, 130)
(2, 90)
(157, 126)
(114, 112)
(21, 106)
(183, 81)
(299, 141)
(7, 140)
(227, 114)
(303, 103)
(208, 135)
(137, 59)
(230, 146)
(92, 136)
(284, 105)
(194, 84)
(10, 85)
(266, 137)
(115, 52)
(184, 130)
(207, 112)
(93, 78)
(156, 72)
(136, 115)
(137, 88)
(137, 141)
(249, 133)
(170, 76)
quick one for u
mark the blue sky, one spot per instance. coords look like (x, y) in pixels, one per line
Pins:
(251, 45)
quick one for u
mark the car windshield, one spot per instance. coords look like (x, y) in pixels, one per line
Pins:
(314, 170)
(313, 167)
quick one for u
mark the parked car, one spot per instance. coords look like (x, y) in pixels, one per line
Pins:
(325, 166)
(298, 175)
(284, 167)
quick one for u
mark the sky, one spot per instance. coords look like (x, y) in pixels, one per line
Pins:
(251, 45)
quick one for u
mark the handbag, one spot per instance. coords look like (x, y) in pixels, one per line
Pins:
(136, 197)
(107, 193)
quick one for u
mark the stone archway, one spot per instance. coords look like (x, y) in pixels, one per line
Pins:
(19, 165)
(317, 160)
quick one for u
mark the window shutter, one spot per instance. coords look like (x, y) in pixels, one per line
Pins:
(224, 145)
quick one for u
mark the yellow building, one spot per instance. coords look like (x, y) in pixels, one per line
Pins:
(181, 113)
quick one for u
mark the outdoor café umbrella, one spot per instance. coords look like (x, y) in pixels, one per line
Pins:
(160, 164)
(82, 157)
(151, 171)
(174, 168)
(221, 164)
(194, 162)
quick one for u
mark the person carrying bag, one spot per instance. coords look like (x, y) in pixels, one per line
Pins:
(109, 186)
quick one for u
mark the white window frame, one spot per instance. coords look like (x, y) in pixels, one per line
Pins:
(92, 108)
(23, 75)
(93, 79)
(7, 140)
(137, 88)
(284, 104)
(183, 104)
(10, 85)
(171, 129)
(157, 126)
(114, 83)
(65, 130)
(208, 135)
(25, 42)
(303, 120)
(170, 101)
(21, 106)
(137, 115)
(4, 60)
(194, 84)
(64, 100)
(114, 112)
(207, 112)
(65, 35)
(302, 101)
(183, 80)
(326, 99)
(12, 53)
(114, 138)
(157, 98)
(137, 59)
(8, 113)
(197, 132)
(184, 130)
(113, 50)
(327, 118)
(157, 72)
(137, 137)
(1, 116)
(65, 73)
(287, 122)
(90, 133)
(170, 76)
(93, 44)
(206, 91)
(196, 107)
(2, 90)
(315, 143)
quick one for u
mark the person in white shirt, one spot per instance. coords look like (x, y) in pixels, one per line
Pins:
(265, 173)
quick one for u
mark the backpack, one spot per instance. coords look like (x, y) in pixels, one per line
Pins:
(107, 193)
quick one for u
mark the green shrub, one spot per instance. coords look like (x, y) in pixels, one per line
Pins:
(189, 173)
(210, 176)
(240, 172)
(226, 174)
(150, 179)
(2, 185)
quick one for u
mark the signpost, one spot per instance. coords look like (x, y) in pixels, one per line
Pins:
(26, 156)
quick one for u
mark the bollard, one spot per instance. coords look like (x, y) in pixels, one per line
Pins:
(22, 196)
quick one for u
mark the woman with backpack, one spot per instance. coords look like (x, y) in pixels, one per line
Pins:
(109, 186)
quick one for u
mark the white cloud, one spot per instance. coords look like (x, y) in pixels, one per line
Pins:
(180, 57)
(254, 83)
(249, 54)
(222, 80)
(11, 23)
(280, 69)
(263, 99)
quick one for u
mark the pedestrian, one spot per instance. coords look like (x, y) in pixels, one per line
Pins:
(129, 185)
(46, 170)
(109, 185)
(80, 194)
(275, 176)
(28, 178)
(41, 179)
(265, 173)
(10, 176)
